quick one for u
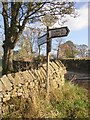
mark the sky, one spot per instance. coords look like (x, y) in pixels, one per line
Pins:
(78, 26)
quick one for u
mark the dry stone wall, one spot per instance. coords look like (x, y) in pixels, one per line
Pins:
(75, 64)
(29, 82)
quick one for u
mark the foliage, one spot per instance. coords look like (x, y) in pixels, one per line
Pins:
(17, 14)
(25, 49)
(67, 102)
(73, 103)
(67, 50)
(82, 50)
(49, 20)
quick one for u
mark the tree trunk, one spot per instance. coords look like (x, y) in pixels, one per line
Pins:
(7, 62)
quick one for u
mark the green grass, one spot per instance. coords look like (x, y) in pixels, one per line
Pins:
(69, 102)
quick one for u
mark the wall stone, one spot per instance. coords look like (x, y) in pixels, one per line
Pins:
(76, 64)
(28, 82)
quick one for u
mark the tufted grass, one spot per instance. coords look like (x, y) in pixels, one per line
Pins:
(69, 102)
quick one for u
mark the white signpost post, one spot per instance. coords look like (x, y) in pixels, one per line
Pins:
(46, 38)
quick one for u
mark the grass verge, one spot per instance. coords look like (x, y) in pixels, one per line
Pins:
(69, 102)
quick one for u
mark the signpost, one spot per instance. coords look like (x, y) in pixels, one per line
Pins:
(46, 38)
(58, 32)
(42, 39)
(53, 33)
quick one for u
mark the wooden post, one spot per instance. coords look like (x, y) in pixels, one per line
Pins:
(0, 105)
(48, 57)
(39, 49)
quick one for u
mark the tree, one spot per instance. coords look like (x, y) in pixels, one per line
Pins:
(59, 43)
(67, 50)
(82, 50)
(71, 52)
(25, 49)
(28, 44)
(17, 14)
